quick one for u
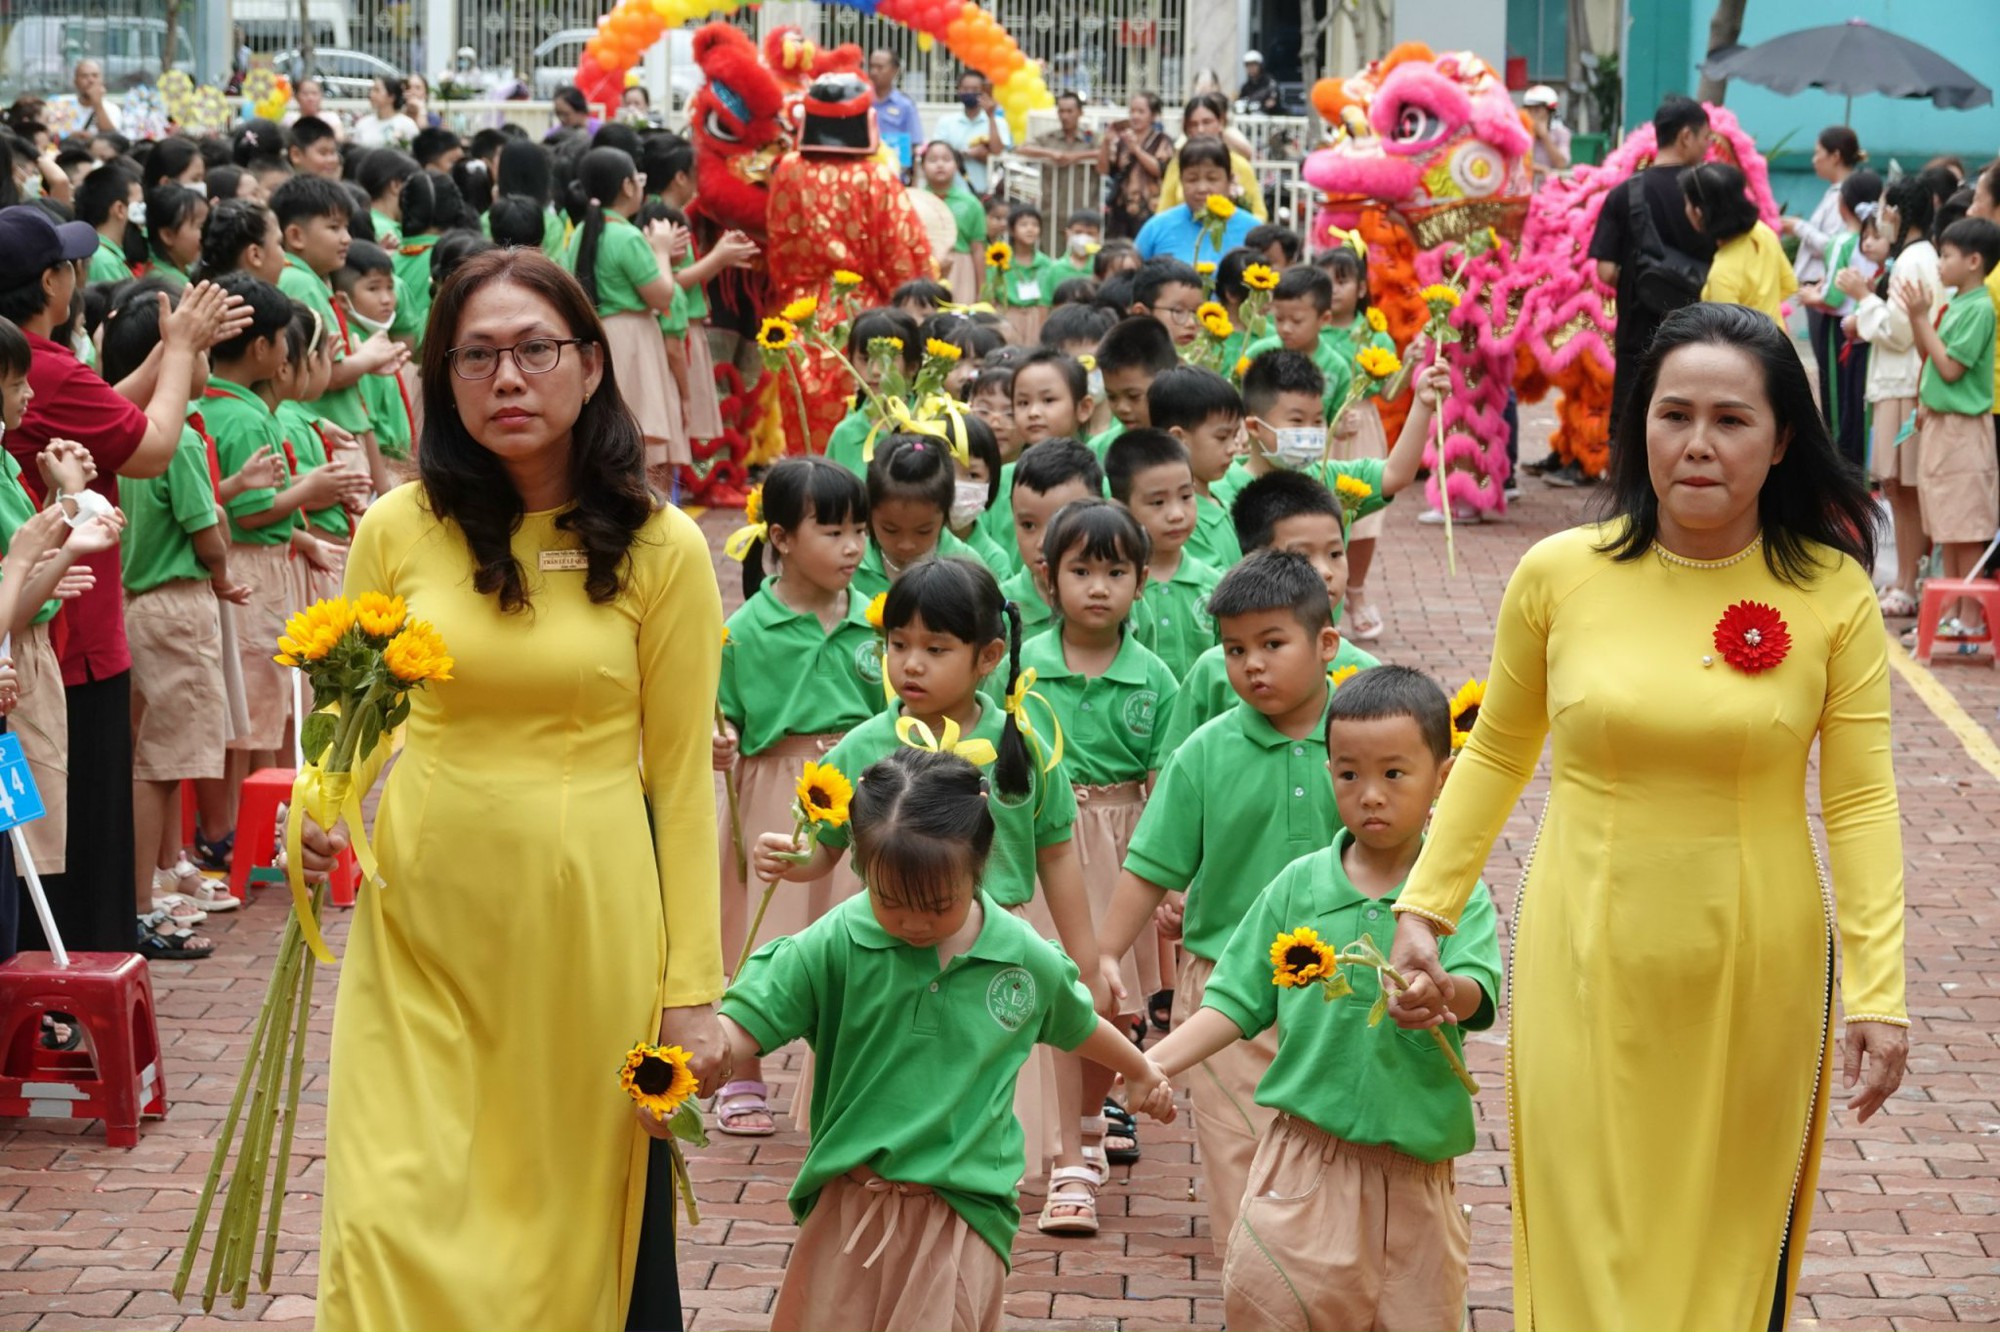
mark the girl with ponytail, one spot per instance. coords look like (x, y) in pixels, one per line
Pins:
(946, 628)
(911, 485)
(623, 271)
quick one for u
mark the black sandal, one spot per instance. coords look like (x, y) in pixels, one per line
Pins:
(1160, 1009)
(51, 1022)
(1120, 1124)
(173, 946)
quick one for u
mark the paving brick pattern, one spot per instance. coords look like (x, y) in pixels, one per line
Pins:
(1907, 1232)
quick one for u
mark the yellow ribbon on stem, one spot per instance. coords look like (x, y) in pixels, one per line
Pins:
(329, 797)
(937, 416)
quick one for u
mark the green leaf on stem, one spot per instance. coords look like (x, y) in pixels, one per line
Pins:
(685, 1124)
(316, 735)
(1378, 1010)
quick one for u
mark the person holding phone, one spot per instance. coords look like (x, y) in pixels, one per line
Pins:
(1133, 158)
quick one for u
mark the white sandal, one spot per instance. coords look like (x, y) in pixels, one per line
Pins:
(1094, 1160)
(176, 906)
(1074, 1188)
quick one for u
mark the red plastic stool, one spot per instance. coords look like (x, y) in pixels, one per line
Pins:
(256, 820)
(1941, 592)
(114, 1075)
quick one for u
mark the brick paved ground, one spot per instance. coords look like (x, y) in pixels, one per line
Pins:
(1907, 1233)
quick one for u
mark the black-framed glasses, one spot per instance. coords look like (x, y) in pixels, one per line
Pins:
(535, 356)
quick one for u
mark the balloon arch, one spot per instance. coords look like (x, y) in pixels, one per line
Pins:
(971, 34)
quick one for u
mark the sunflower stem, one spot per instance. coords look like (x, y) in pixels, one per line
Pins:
(1390, 975)
(729, 789)
(293, 1081)
(1444, 495)
(799, 398)
(684, 1182)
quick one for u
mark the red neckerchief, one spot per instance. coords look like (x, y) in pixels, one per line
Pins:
(214, 459)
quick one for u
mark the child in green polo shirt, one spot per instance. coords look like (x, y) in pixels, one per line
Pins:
(106, 199)
(1028, 286)
(1353, 1221)
(1204, 412)
(922, 1000)
(1301, 311)
(910, 489)
(1108, 691)
(1283, 511)
(946, 627)
(365, 292)
(1083, 238)
(320, 540)
(801, 666)
(1242, 798)
(1958, 477)
(175, 216)
(975, 488)
(1149, 474)
(1133, 354)
(847, 445)
(1054, 473)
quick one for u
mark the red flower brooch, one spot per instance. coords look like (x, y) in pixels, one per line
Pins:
(1752, 637)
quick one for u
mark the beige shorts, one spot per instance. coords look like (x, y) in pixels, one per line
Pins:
(1958, 477)
(41, 719)
(1360, 435)
(1339, 1235)
(180, 712)
(267, 686)
(1228, 1123)
(1888, 460)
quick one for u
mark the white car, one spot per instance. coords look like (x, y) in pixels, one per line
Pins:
(343, 74)
(41, 50)
(556, 58)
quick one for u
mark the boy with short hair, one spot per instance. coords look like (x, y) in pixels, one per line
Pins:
(1301, 318)
(1085, 230)
(1169, 290)
(1204, 412)
(1048, 476)
(1244, 796)
(1277, 245)
(1355, 1221)
(1958, 477)
(364, 289)
(1149, 474)
(105, 200)
(313, 149)
(1292, 513)
(920, 299)
(1133, 354)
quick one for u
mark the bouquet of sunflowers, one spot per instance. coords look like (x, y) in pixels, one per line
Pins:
(1300, 958)
(362, 659)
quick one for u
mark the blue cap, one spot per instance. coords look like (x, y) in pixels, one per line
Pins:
(32, 242)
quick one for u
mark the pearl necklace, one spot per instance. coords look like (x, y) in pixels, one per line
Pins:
(1669, 557)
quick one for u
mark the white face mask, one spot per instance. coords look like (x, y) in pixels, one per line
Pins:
(1096, 385)
(198, 186)
(1298, 446)
(354, 316)
(1079, 242)
(968, 501)
(136, 214)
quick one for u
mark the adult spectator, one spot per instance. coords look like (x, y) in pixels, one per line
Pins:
(896, 116)
(97, 113)
(1134, 156)
(980, 133)
(386, 125)
(309, 99)
(131, 430)
(417, 102)
(1836, 154)
(1206, 116)
(572, 112)
(1068, 154)
(1260, 94)
(1681, 127)
(1551, 135)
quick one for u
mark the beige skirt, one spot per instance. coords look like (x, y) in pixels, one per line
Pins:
(704, 404)
(879, 1254)
(766, 786)
(41, 719)
(1958, 477)
(180, 714)
(1105, 819)
(961, 274)
(267, 687)
(1888, 460)
(1360, 435)
(1024, 324)
(646, 382)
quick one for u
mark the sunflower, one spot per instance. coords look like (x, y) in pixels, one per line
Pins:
(1242, 366)
(753, 506)
(844, 278)
(1220, 205)
(1439, 297)
(944, 351)
(1465, 711)
(1215, 319)
(884, 346)
(1087, 361)
(725, 635)
(1377, 320)
(657, 1077)
(1260, 277)
(1000, 255)
(315, 631)
(1378, 362)
(875, 606)
(800, 310)
(824, 793)
(417, 654)
(1352, 487)
(1299, 958)
(776, 334)
(1340, 675)
(379, 614)
(1205, 268)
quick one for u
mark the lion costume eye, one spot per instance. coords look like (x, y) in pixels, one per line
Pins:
(1416, 125)
(719, 128)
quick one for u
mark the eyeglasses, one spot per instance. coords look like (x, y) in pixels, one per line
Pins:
(1179, 316)
(536, 356)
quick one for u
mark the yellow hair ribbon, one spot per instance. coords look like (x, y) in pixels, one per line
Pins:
(977, 307)
(737, 545)
(916, 735)
(1016, 707)
(936, 417)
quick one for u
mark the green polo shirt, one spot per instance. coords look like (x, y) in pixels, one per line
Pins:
(874, 1010)
(343, 407)
(784, 674)
(1214, 540)
(697, 298)
(873, 576)
(1030, 280)
(1327, 355)
(1101, 442)
(844, 444)
(1110, 722)
(1370, 470)
(412, 261)
(1234, 805)
(1067, 269)
(1171, 616)
(987, 553)
(407, 321)
(1967, 333)
(388, 230)
(1205, 692)
(17, 507)
(162, 514)
(107, 264)
(998, 521)
(240, 424)
(297, 421)
(383, 397)
(1037, 616)
(159, 266)
(625, 263)
(1046, 816)
(1362, 1084)
(1356, 338)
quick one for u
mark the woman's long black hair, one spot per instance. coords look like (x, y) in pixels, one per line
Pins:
(466, 483)
(1812, 497)
(1722, 194)
(960, 597)
(599, 178)
(802, 487)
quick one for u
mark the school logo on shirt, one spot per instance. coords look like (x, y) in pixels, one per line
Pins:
(1139, 709)
(1011, 998)
(868, 661)
(1198, 615)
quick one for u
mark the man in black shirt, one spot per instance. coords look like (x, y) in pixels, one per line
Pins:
(1260, 94)
(1681, 128)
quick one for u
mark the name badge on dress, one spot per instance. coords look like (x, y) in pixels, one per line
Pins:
(1028, 290)
(559, 561)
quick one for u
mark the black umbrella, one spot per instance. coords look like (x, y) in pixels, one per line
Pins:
(1854, 59)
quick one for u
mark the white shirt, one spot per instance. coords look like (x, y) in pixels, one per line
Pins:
(1894, 363)
(1816, 236)
(961, 132)
(395, 132)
